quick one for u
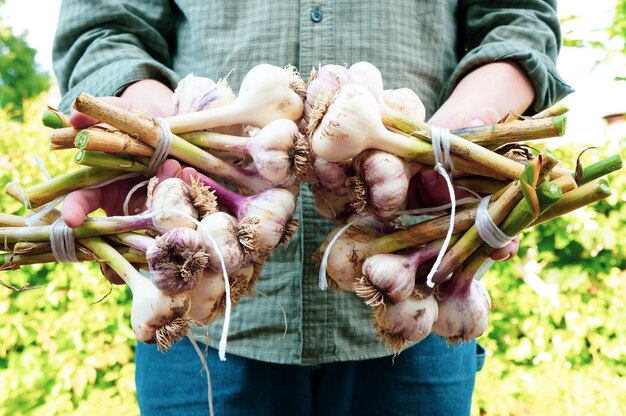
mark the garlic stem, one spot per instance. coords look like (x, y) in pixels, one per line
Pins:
(498, 211)
(13, 261)
(54, 119)
(62, 138)
(146, 129)
(494, 135)
(111, 142)
(107, 161)
(60, 185)
(587, 194)
(500, 165)
(90, 228)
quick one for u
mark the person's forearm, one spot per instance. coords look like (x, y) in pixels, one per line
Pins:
(500, 86)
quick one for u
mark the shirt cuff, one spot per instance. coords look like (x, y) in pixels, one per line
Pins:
(549, 86)
(112, 79)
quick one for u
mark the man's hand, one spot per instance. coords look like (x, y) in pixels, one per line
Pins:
(435, 186)
(480, 98)
(146, 96)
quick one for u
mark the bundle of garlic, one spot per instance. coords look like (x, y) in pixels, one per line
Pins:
(205, 236)
(369, 147)
(202, 242)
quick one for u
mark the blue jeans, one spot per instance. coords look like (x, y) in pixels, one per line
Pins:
(429, 379)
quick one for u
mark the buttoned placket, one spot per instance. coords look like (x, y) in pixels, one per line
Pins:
(316, 48)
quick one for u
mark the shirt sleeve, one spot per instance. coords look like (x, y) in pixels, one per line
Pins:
(102, 46)
(527, 32)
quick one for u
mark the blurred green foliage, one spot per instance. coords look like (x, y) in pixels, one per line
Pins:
(61, 351)
(561, 349)
(20, 78)
(610, 39)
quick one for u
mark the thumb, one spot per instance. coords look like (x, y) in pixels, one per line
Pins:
(169, 169)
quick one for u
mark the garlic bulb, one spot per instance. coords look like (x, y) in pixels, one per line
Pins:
(409, 320)
(176, 260)
(384, 182)
(207, 298)
(172, 195)
(267, 93)
(223, 228)
(406, 101)
(463, 312)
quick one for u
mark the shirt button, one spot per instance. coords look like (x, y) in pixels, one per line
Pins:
(317, 15)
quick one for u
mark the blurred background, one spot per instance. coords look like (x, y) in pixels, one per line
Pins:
(557, 337)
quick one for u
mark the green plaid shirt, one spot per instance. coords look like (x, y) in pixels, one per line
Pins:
(104, 45)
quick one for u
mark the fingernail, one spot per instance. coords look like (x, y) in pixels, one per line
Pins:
(498, 256)
(476, 122)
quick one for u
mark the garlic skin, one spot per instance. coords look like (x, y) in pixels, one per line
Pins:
(172, 194)
(409, 320)
(331, 206)
(200, 93)
(323, 84)
(207, 298)
(345, 259)
(391, 278)
(279, 152)
(332, 175)
(464, 316)
(351, 248)
(267, 93)
(391, 274)
(152, 310)
(223, 228)
(367, 75)
(242, 281)
(387, 181)
(405, 101)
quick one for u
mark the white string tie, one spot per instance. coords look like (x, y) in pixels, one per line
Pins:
(440, 137)
(323, 281)
(487, 229)
(162, 148)
(62, 242)
(130, 194)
